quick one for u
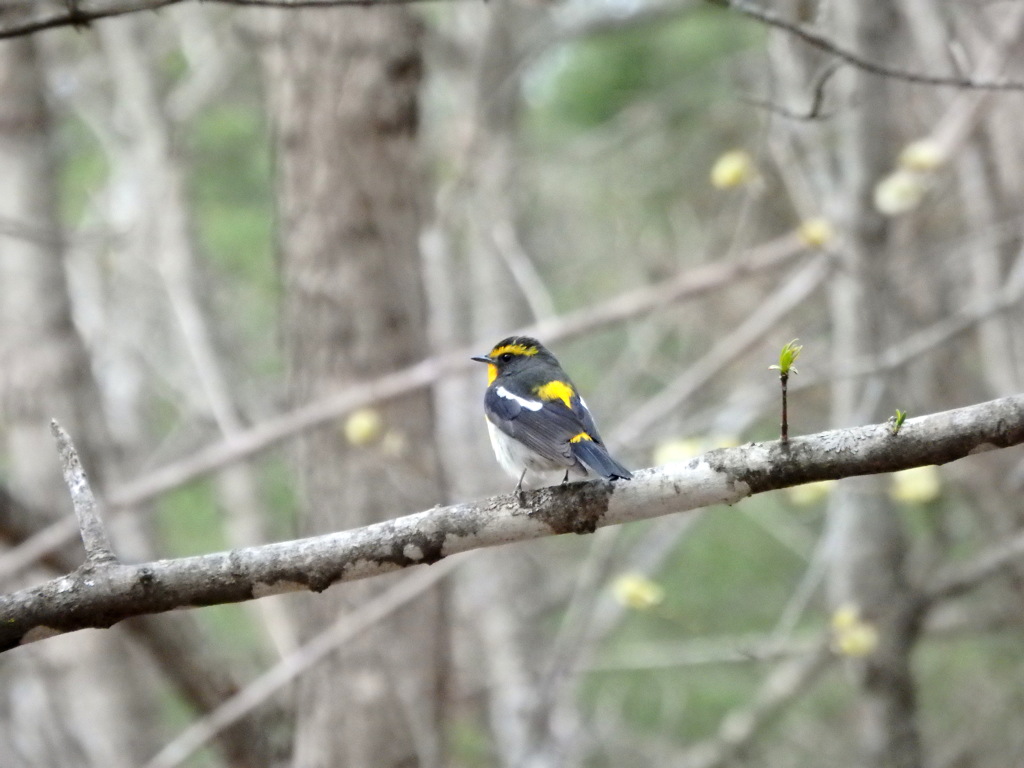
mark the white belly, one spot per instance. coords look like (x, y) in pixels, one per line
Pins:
(514, 457)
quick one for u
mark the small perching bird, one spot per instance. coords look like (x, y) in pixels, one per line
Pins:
(536, 418)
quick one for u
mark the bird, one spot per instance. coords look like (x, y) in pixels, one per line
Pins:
(537, 420)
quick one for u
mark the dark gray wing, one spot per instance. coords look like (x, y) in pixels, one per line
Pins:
(545, 428)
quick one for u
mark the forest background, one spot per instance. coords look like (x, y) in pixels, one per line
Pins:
(212, 217)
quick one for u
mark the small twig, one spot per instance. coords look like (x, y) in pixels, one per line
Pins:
(94, 536)
(784, 381)
(814, 112)
(793, 292)
(790, 352)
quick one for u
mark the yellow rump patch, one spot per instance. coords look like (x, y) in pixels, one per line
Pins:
(581, 437)
(555, 390)
(514, 349)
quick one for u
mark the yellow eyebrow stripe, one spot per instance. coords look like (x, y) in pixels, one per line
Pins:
(581, 436)
(556, 390)
(515, 349)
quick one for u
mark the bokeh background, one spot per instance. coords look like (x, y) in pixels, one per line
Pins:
(215, 218)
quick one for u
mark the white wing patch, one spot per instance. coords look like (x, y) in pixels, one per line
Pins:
(533, 405)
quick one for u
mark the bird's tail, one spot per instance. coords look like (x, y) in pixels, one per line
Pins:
(595, 458)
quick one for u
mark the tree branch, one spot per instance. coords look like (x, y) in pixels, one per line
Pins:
(26, 17)
(817, 40)
(109, 593)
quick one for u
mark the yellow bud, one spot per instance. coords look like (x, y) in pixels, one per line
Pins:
(918, 485)
(816, 232)
(733, 169)
(922, 155)
(899, 192)
(851, 635)
(810, 493)
(636, 591)
(846, 616)
(363, 427)
(857, 642)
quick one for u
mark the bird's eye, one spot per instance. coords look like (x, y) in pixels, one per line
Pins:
(505, 357)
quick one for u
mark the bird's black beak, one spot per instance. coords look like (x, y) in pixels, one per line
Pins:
(483, 359)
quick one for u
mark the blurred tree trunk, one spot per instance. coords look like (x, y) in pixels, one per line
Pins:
(58, 708)
(869, 541)
(343, 86)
